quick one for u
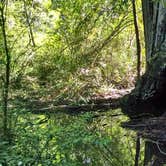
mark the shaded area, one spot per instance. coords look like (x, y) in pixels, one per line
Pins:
(99, 102)
(153, 130)
(148, 98)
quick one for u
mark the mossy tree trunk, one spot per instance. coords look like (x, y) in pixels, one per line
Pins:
(148, 98)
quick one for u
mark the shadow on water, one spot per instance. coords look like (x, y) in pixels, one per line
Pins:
(93, 138)
(153, 131)
(96, 138)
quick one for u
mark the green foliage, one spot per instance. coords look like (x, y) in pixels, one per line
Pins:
(81, 47)
(74, 40)
(66, 140)
(89, 46)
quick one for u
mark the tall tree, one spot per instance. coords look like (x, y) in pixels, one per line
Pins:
(6, 79)
(149, 95)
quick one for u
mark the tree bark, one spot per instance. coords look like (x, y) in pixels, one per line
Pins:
(137, 154)
(137, 41)
(149, 95)
(7, 69)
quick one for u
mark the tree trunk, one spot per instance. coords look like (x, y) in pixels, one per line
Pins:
(7, 69)
(137, 40)
(148, 98)
(154, 154)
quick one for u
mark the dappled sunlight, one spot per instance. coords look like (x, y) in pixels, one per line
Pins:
(78, 79)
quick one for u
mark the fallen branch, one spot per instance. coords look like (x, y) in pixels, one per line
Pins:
(75, 109)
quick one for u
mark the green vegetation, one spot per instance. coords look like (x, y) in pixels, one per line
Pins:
(65, 52)
(65, 140)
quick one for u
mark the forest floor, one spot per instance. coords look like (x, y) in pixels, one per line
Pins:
(47, 103)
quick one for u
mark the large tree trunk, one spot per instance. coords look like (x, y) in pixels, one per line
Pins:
(148, 98)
